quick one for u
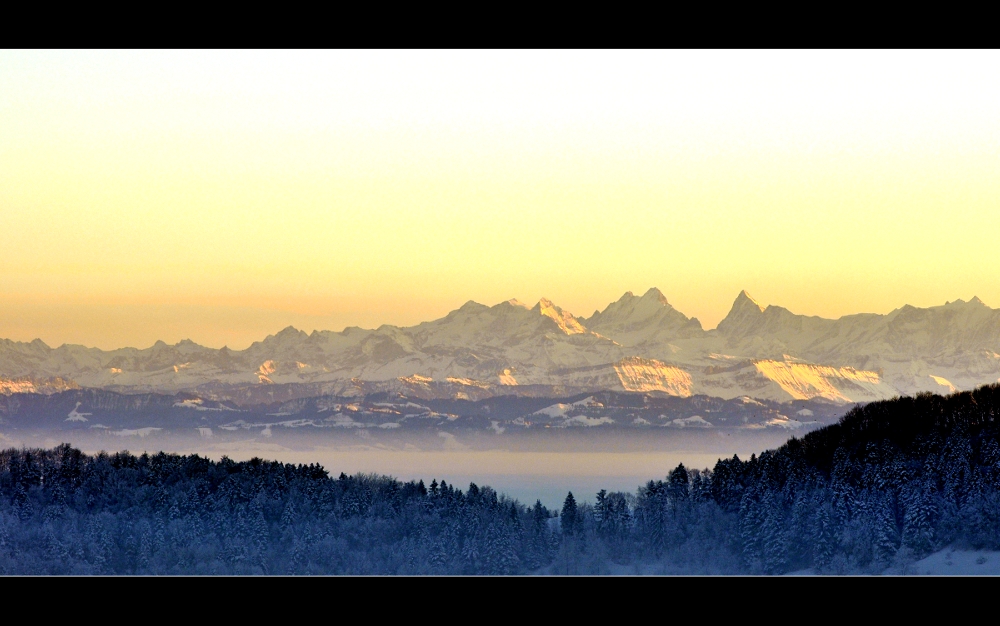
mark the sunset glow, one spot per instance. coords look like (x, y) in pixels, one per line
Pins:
(221, 196)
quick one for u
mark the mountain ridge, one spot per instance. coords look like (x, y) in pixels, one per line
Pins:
(637, 343)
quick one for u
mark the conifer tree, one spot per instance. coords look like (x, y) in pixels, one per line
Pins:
(567, 518)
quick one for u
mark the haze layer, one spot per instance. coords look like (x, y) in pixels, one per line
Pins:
(217, 196)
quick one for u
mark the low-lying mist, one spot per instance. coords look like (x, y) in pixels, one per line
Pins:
(540, 465)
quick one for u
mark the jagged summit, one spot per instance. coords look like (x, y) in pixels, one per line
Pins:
(973, 301)
(286, 336)
(565, 320)
(746, 300)
(643, 339)
(640, 320)
(655, 294)
(745, 316)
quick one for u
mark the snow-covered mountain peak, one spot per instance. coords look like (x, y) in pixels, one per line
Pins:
(287, 337)
(744, 317)
(910, 349)
(642, 320)
(655, 295)
(516, 302)
(563, 319)
(746, 300)
(974, 302)
(472, 307)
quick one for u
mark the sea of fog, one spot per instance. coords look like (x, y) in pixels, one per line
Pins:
(543, 465)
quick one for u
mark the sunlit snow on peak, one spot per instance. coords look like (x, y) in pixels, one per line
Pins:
(564, 319)
(744, 295)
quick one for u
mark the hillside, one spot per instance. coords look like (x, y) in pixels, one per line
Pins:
(891, 483)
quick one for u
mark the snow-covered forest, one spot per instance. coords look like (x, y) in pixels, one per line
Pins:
(891, 482)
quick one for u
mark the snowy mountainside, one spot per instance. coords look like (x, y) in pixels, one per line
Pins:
(638, 344)
(937, 349)
(129, 415)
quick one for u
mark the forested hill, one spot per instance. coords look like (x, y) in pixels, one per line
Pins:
(916, 424)
(890, 482)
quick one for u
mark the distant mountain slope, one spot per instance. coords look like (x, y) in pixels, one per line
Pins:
(102, 412)
(639, 344)
(937, 349)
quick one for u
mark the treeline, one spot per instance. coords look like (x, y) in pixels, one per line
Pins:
(64, 512)
(891, 482)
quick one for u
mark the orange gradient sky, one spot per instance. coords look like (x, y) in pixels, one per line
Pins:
(220, 196)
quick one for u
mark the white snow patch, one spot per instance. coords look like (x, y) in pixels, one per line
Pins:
(389, 425)
(640, 421)
(76, 416)
(555, 410)
(583, 420)
(196, 404)
(944, 382)
(416, 379)
(135, 432)
(783, 422)
(496, 427)
(695, 421)
(805, 413)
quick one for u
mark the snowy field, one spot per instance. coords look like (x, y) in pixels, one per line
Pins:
(946, 562)
(951, 562)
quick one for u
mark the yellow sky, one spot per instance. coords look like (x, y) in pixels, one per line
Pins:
(221, 196)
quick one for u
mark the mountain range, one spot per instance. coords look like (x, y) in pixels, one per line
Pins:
(638, 343)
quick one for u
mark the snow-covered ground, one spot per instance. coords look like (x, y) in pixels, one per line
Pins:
(946, 562)
(951, 562)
